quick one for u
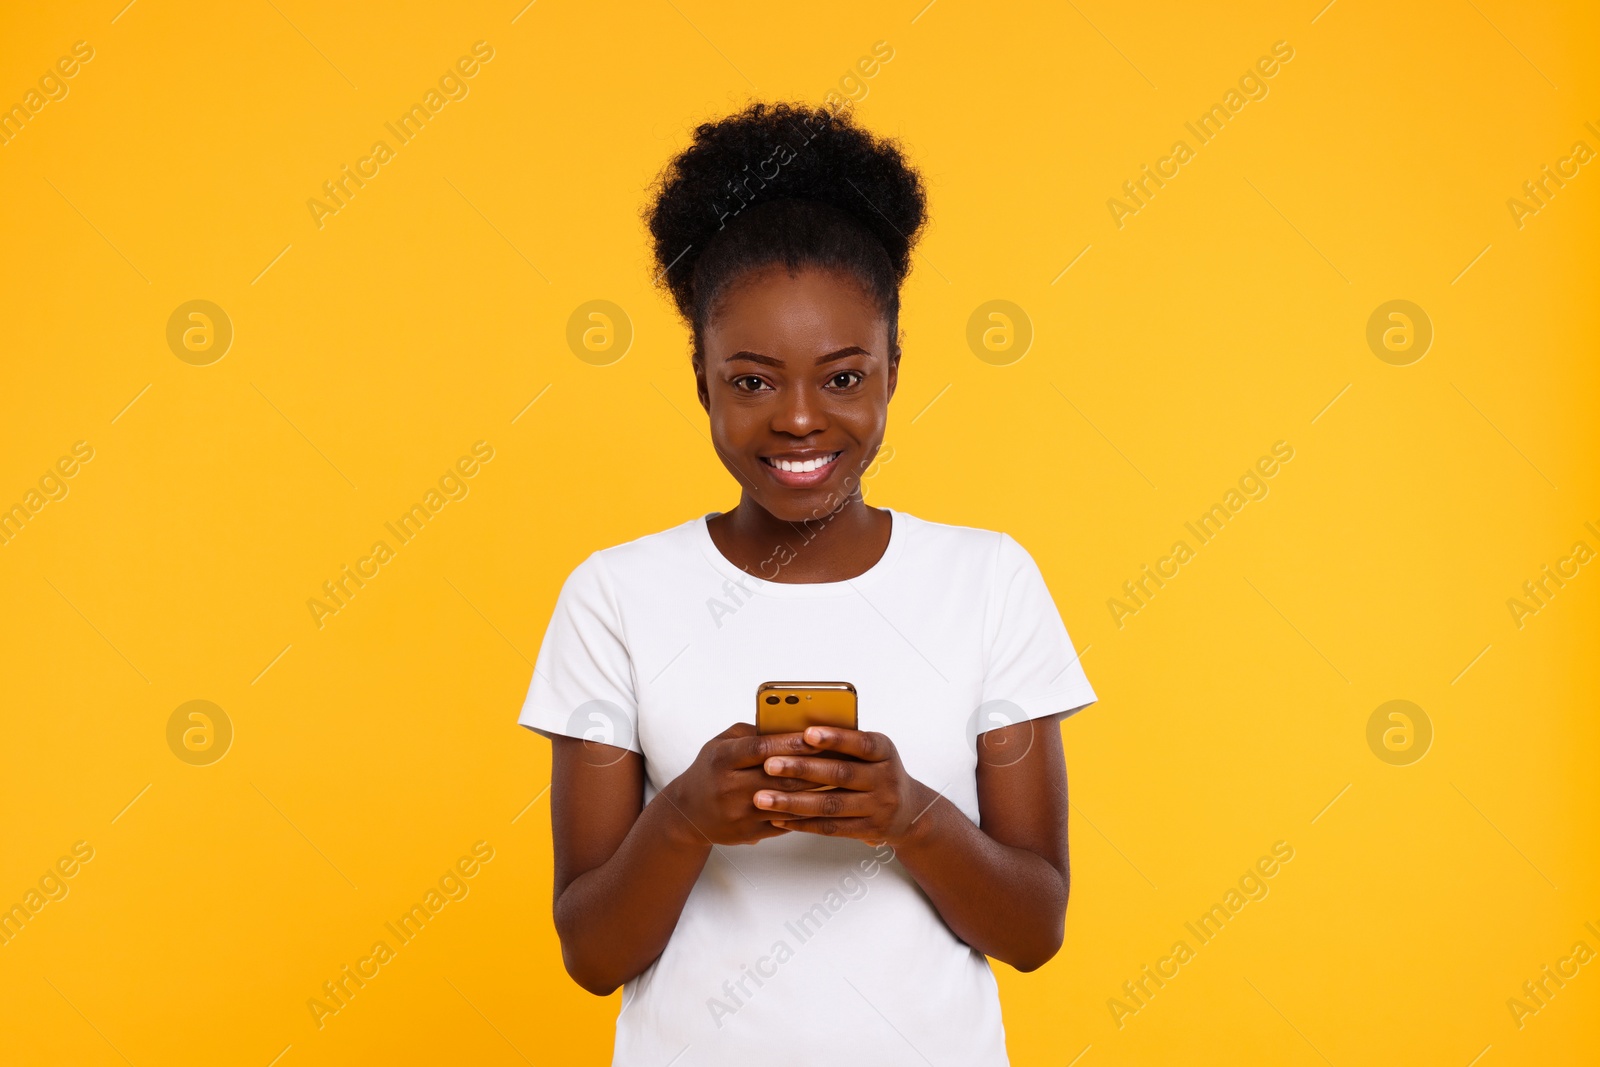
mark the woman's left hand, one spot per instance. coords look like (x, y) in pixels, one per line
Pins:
(875, 800)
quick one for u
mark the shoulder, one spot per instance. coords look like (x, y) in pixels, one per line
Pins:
(968, 546)
(639, 560)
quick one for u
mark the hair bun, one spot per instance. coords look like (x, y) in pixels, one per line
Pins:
(780, 151)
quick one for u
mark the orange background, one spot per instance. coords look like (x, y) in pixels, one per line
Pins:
(371, 752)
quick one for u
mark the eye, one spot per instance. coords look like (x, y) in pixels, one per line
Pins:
(742, 383)
(847, 375)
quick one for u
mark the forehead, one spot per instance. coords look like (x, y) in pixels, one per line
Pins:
(772, 308)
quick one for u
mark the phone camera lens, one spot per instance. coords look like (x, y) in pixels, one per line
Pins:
(772, 700)
(791, 699)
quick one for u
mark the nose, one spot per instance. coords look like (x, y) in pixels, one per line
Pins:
(799, 412)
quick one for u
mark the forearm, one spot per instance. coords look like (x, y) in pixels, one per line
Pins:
(615, 920)
(1006, 902)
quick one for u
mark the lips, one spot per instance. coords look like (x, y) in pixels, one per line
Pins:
(798, 470)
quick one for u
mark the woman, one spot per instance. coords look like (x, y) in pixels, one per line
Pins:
(749, 917)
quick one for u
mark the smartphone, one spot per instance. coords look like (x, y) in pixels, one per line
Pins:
(789, 707)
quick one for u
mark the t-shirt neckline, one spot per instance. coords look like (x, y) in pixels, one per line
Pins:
(898, 522)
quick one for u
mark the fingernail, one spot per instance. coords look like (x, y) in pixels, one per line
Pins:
(776, 766)
(765, 800)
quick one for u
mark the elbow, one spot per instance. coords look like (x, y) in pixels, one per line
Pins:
(1041, 951)
(581, 961)
(590, 979)
(600, 987)
(1041, 947)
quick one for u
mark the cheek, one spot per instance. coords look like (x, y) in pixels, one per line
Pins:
(865, 418)
(732, 425)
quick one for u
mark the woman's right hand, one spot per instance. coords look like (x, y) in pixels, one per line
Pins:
(716, 794)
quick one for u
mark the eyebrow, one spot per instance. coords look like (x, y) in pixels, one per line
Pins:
(754, 357)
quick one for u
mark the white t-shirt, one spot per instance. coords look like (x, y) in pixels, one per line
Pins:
(801, 949)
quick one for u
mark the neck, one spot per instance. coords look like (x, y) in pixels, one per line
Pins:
(831, 547)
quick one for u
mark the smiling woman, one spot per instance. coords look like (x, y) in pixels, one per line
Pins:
(689, 850)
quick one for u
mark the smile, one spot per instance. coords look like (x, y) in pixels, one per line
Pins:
(802, 471)
(801, 466)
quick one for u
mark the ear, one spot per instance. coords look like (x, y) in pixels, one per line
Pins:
(700, 384)
(894, 370)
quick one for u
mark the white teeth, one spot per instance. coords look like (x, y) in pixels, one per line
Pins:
(806, 467)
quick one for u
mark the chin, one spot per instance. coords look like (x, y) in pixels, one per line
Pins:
(797, 505)
(801, 505)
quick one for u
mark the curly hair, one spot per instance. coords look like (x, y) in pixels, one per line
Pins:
(784, 183)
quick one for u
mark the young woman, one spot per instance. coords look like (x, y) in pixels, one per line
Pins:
(750, 918)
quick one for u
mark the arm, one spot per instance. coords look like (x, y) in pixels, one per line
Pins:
(623, 868)
(1000, 886)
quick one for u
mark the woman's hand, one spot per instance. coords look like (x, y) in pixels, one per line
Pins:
(715, 794)
(876, 800)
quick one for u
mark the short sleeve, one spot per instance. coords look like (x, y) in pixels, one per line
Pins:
(583, 683)
(1030, 664)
